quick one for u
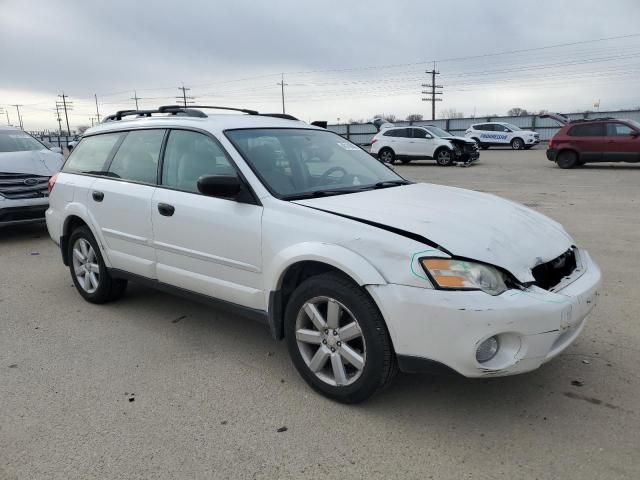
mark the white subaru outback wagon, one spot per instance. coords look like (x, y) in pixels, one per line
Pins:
(360, 271)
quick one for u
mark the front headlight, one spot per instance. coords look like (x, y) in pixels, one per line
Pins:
(451, 274)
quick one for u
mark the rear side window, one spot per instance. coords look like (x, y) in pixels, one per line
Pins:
(91, 154)
(486, 127)
(419, 133)
(189, 156)
(587, 130)
(137, 157)
(618, 130)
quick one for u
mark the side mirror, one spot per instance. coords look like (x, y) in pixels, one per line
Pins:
(634, 133)
(224, 186)
(56, 149)
(506, 130)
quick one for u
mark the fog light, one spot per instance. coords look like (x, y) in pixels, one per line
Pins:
(487, 350)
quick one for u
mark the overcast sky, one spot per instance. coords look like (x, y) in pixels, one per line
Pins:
(341, 59)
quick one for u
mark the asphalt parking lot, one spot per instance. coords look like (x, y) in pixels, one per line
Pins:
(155, 386)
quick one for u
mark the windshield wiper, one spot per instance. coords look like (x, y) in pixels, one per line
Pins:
(390, 183)
(319, 193)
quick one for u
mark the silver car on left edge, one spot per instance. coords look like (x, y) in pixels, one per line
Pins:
(26, 165)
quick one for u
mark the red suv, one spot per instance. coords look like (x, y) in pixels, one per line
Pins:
(596, 140)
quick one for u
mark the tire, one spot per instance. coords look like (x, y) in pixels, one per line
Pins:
(567, 159)
(386, 155)
(444, 157)
(517, 144)
(91, 278)
(332, 373)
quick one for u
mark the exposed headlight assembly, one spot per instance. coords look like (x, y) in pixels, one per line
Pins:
(452, 274)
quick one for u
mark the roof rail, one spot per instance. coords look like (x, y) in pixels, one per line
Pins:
(171, 108)
(599, 119)
(190, 111)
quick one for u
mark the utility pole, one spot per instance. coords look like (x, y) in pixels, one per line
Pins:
(19, 117)
(97, 110)
(136, 98)
(282, 85)
(433, 99)
(59, 125)
(66, 106)
(184, 97)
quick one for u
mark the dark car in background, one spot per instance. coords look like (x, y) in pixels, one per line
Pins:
(26, 164)
(594, 140)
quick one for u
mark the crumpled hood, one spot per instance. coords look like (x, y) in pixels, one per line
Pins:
(462, 139)
(40, 162)
(468, 224)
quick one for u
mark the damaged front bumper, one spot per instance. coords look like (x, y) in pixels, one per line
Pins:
(446, 327)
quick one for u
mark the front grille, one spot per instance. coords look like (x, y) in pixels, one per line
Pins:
(548, 275)
(23, 185)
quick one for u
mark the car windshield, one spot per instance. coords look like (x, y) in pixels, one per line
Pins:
(438, 132)
(304, 163)
(18, 141)
(512, 127)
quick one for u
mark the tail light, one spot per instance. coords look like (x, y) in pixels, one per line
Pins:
(374, 141)
(52, 182)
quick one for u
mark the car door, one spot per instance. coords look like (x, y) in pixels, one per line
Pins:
(589, 140)
(401, 141)
(120, 201)
(502, 134)
(421, 143)
(622, 143)
(205, 244)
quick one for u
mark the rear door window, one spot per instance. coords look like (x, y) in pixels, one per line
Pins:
(587, 130)
(137, 158)
(92, 153)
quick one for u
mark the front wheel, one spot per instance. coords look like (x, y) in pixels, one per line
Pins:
(517, 144)
(444, 157)
(88, 270)
(338, 340)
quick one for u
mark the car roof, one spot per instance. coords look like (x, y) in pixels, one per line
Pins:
(214, 123)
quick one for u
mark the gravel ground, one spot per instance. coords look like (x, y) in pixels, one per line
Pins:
(155, 386)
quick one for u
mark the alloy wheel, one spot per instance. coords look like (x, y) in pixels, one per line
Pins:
(85, 265)
(330, 341)
(444, 157)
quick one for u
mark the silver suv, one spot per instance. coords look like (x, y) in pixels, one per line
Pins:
(26, 165)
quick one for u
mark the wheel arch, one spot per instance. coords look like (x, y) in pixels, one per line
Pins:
(300, 262)
(76, 217)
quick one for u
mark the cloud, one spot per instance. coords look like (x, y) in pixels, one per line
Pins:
(112, 48)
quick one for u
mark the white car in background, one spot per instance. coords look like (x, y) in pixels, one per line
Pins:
(501, 134)
(422, 143)
(361, 271)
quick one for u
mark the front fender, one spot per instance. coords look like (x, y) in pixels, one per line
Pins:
(351, 263)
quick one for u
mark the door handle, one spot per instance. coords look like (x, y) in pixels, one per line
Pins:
(97, 196)
(166, 209)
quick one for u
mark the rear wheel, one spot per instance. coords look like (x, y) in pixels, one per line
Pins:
(88, 270)
(337, 339)
(567, 159)
(386, 155)
(517, 144)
